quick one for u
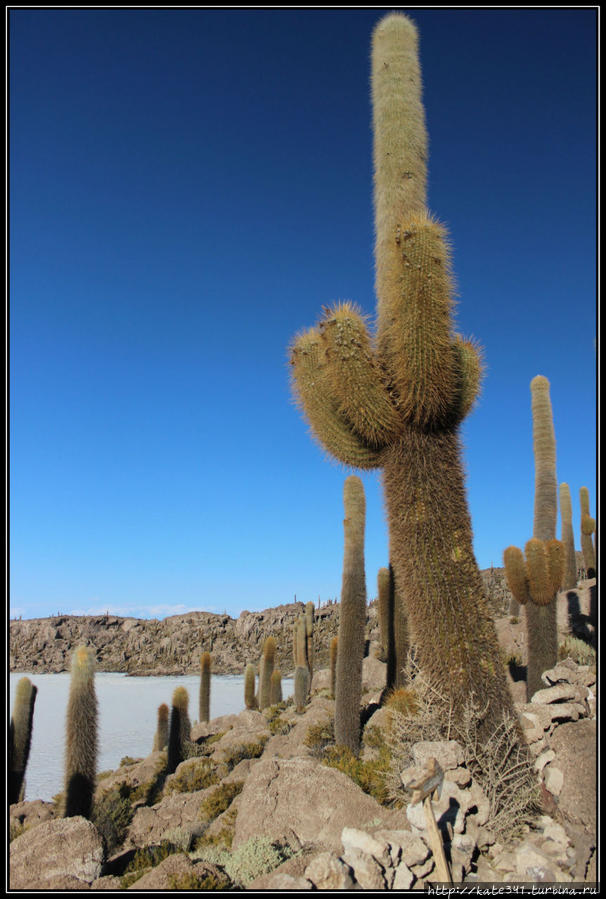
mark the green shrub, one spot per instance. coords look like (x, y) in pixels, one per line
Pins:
(111, 814)
(245, 751)
(403, 700)
(578, 650)
(128, 760)
(145, 859)
(220, 800)
(15, 831)
(368, 775)
(193, 777)
(194, 881)
(319, 737)
(257, 856)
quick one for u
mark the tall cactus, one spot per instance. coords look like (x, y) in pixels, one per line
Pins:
(301, 687)
(394, 629)
(179, 729)
(541, 620)
(587, 529)
(352, 619)
(396, 403)
(275, 687)
(309, 638)
(535, 581)
(266, 670)
(20, 737)
(161, 735)
(569, 578)
(204, 697)
(81, 735)
(332, 655)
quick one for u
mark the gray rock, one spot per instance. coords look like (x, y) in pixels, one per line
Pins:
(448, 753)
(559, 693)
(575, 746)
(64, 847)
(280, 881)
(553, 779)
(404, 845)
(364, 842)
(404, 878)
(328, 872)
(543, 759)
(367, 871)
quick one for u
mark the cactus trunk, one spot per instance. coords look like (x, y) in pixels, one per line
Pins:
(161, 735)
(569, 580)
(20, 738)
(81, 742)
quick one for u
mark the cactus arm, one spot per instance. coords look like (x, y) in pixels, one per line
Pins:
(469, 368)
(320, 408)
(516, 575)
(354, 377)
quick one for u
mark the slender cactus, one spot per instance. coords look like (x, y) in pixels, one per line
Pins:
(179, 729)
(397, 402)
(161, 735)
(20, 738)
(587, 529)
(204, 698)
(266, 669)
(81, 742)
(275, 688)
(569, 579)
(249, 687)
(309, 638)
(352, 619)
(301, 688)
(334, 643)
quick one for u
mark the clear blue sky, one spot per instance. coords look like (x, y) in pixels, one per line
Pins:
(187, 189)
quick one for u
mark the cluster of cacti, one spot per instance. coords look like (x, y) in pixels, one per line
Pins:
(352, 619)
(20, 738)
(534, 581)
(179, 729)
(81, 735)
(587, 529)
(250, 700)
(265, 672)
(161, 735)
(397, 403)
(393, 629)
(569, 578)
(204, 698)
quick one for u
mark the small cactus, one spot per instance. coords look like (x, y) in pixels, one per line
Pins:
(249, 687)
(204, 699)
(266, 669)
(352, 619)
(587, 529)
(81, 742)
(179, 729)
(275, 688)
(20, 738)
(161, 735)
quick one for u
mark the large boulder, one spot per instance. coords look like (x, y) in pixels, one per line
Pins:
(57, 849)
(575, 746)
(24, 815)
(179, 872)
(176, 812)
(300, 795)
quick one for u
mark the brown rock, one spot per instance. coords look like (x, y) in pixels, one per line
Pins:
(177, 866)
(64, 847)
(328, 872)
(304, 796)
(31, 813)
(575, 745)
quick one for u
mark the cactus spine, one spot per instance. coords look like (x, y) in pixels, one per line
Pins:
(334, 643)
(569, 579)
(352, 619)
(267, 667)
(20, 738)
(81, 742)
(249, 687)
(587, 529)
(397, 403)
(161, 735)
(275, 688)
(204, 698)
(179, 729)
(534, 582)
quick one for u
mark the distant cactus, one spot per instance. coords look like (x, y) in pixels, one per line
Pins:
(352, 619)
(204, 698)
(569, 578)
(534, 582)
(81, 742)
(20, 738)
(265, 672)
(249, 687)
(334, 643)
(179, 730)
(587, 529)
(309, 638)
(275, 688)
(301, 688)
(161, 735)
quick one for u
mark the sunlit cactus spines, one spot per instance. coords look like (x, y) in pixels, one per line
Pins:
(179, 731)
(161, 735)
(81, 735)
(301, 687)
(275, 687)
(394, 399)
(332, 658)
(515, 574)
(20, 737)
(249, 687)
(543, 438)
(352, 619)
(204, 698)
(587, 529)
(265, 672)
(569, 578)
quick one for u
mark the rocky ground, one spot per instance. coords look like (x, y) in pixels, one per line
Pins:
(174, 645)
(261, 803)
